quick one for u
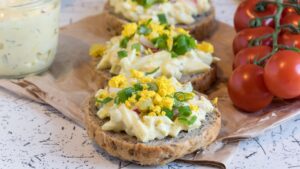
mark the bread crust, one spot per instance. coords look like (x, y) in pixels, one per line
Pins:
(204, 26)
(157, 152)
(202, 81)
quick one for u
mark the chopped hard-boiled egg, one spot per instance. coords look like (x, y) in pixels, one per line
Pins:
(172, 12)
(155, 48)
(157, 108)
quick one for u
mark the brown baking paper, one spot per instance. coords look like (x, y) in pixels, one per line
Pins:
(72, 79)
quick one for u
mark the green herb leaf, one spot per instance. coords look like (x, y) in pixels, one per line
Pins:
(153, 71)
(123, 95)
(183, 43)
(182, 96)
(104, 101)
(161, 42)
(144, 30)
(162, 18)
(136, 46)
(124, 42)
(152, 86)
(122, 54)
(169, 113)
(184, 111)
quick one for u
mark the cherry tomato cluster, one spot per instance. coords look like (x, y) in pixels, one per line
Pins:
(267, 53)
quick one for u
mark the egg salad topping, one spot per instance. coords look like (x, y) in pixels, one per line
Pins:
(150, 108)
(147, 46)
(175, 11)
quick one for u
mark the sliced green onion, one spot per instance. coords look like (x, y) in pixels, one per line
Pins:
(124, 42)
(152, 86)
(183, 43)
(144, 30)
(145, 3)
(123, 95)
(177, 103)
(162, 18)
(182, 96)
(174, 55)
(122, 54)
(184, 111)
(104, 101)
(136, 46)
(169, 113)
(186, 121)
(161, 42)
(153, 71)
(138, 87)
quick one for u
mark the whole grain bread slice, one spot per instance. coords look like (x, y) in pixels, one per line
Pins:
(204, 26)
(156, 152)
(201, 81)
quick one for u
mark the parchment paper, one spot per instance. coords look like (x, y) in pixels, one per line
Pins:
(72, 79)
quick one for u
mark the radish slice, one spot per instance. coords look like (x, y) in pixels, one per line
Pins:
(145, 42)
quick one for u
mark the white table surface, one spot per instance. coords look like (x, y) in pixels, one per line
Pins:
(37, 136)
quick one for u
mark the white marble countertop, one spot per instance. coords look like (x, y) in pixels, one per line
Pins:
(37, 136)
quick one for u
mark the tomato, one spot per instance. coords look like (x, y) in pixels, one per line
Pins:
(287, 11)
(247, 89)
(242, 39)
(246, 12)
(292, 1)
(291, 19)
(248, 55)
(289, 39)
(282, 74)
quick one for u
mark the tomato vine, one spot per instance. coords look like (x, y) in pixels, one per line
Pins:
(257, 22)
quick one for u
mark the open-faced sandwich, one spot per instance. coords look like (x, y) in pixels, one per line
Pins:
(151, 121)
(197, 16)
(158, 49)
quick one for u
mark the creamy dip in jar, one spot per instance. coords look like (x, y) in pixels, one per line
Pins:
(28, 36)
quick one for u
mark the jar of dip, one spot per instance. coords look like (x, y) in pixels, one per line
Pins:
(28, 36)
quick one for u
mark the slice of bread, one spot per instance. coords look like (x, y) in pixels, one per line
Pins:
(156, 152)
(201, 82)
(204, 26)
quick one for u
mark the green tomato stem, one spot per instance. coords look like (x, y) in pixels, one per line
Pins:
(295, 6)
(277, 17)
(289, 48)
(257, 41)
(292, 27)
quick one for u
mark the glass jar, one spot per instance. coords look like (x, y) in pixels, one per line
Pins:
(28, 36)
